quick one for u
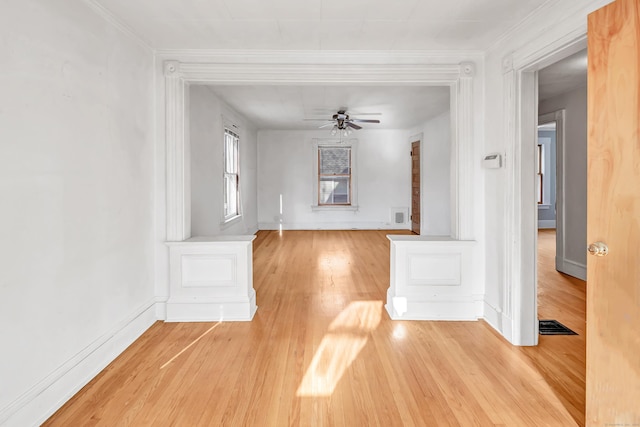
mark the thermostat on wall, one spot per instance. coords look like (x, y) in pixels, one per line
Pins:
(492, 161)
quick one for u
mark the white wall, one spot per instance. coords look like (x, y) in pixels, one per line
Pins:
(285, 160)
(206, 130)
(575, 170)
(435, 174)
(76, 183)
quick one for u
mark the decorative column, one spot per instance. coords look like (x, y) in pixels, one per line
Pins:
(178, 220)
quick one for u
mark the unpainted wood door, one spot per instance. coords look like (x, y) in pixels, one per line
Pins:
(613, 281)
(415, 187)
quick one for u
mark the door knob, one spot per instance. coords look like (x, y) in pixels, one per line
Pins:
(598, 249)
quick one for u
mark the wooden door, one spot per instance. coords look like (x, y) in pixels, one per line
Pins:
(415, 187)
(613, 287)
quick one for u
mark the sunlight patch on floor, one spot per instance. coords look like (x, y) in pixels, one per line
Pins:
(346, 337)
(190, 345)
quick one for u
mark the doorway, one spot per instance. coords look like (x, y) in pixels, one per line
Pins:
(521, 216)
(550, 183)
(561, 185)
(415, 187)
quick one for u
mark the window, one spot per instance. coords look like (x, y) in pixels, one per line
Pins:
(539, 172)
(334, 176)
(231, 177)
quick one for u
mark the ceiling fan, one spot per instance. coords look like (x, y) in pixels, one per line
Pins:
(342, 121)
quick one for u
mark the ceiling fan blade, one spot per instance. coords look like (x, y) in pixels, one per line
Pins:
(353, 125)
(325, 125)
(364, 120)
(316, 120)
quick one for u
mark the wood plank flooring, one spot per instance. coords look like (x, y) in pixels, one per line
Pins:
(561, 360)
(321, 351)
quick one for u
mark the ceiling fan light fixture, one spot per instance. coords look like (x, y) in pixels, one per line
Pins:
(342, 124)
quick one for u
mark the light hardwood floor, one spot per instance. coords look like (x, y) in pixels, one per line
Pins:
(321, 351)
(561, 359)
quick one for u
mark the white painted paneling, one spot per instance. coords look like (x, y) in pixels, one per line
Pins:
(286, 161)
(76, 183)
(431, 278)
(211, 279)
(208, 270)
(206, 129)
(442, 269)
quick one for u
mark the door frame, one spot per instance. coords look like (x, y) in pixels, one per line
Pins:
(521, 104)
(417, 138)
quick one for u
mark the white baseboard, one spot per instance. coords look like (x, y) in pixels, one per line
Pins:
(334, 226)
(47, 396)
(546, 223)
(236, 309)
(452, 308)
(573, 268)
(161, 308)
(493, 316)
(507, 329)
(498, 321)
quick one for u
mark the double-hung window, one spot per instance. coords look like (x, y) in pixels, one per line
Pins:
(231, 177)
(540, 173)
(334, 176)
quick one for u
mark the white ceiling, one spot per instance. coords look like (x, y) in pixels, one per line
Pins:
(286, 107)
(563, 76)
(387, 25)
(320, 24)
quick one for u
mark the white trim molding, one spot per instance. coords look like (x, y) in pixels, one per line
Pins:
(178, 188)
(521, 118)
(458, 76)
(118, 23)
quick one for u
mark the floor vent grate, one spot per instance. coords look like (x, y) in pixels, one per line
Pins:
(553, 327)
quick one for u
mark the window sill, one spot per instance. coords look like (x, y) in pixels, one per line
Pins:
(337, 208)
(543, 206)
(229, 222)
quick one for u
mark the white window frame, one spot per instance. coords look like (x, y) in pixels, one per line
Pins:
(334, 142)
(233, 130)
(540, 174)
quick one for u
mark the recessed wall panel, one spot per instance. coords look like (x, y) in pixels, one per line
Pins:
(208, 270)
(435, 269)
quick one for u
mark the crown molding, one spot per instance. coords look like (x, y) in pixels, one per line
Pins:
(507, 63)
(243, 73)
(112, 19)
(343, 57)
